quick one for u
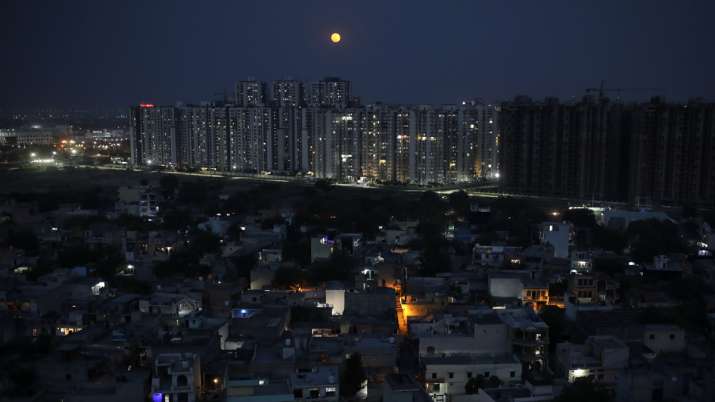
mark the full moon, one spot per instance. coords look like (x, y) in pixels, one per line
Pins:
(335, 37)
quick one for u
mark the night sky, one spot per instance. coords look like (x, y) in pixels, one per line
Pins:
(101, 54)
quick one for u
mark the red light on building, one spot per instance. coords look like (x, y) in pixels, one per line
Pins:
(146, 105)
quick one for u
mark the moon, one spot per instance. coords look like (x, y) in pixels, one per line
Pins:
(335, 37)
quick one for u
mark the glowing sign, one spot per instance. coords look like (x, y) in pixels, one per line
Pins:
(146, 105)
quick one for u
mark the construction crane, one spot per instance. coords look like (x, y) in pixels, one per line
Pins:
(601, 89)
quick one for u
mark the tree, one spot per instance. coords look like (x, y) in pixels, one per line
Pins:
(74, 255)
(131, 285)
(580, 217)
(288, 276)
(295, 247)
(608, 239)
(193, 192)
(472, 385)
(459, 202)
(475, 383)
(649, 238)
(176, 219)
(24, 240)
(435, 259)
(107, 261)
(184, 262)
(323, 185)
(431, 211)
(584, 390)
(555, 319)
(352, 376)
(22, 379)
(338, 268)
(44, 266)
(611, 266)
(204, 242)
(168, 183)
(95, 198)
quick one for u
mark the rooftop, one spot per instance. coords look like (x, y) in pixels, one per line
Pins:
(470, 359)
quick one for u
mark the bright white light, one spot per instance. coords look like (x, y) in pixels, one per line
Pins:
(579, 373)
(74, 152)
(96, 289)
(496, 175)
(149, 162)
(33, 155)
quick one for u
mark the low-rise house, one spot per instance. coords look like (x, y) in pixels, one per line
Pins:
(241, 386)
(140, 201)
(171, 305)
(664, 338)
(601, 358)
(176, 377)
(446, 376)
(494, 256)
(511, 331)
(319, 384)
(103, 234)
(671, 266)
(403, 388)
(559, 235)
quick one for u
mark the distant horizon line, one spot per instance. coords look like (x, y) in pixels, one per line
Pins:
(112, 109)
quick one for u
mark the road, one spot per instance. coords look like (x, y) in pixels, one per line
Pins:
(476, 191)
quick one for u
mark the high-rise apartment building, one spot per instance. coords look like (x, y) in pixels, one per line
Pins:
(427, 159)
(330, 92)
(152, 137)
(649, 152)
(193, 124)
(378, 143)
(251, 93)
(593, 149)
(405, 143)
(287, 93)
(347, 128)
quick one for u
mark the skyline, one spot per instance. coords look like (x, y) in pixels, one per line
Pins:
(68, 51)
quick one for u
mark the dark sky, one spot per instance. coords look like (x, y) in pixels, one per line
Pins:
(106, 53)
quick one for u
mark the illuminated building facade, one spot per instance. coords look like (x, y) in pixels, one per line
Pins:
(329, 138)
